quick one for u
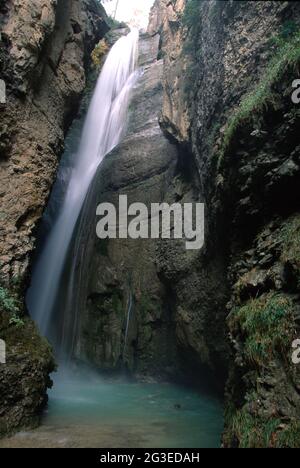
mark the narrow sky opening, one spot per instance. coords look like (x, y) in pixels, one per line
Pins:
(133, 12)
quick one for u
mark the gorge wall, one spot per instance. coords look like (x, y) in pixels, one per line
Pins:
(211, 120)
(228, 74)
(118, 276)
(44, 56)
(149, 287)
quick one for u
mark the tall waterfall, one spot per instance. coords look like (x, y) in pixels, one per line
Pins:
(103, 129)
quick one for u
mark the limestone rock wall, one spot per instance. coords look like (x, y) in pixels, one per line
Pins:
(166, 20)
(237, 65)
(45, 49)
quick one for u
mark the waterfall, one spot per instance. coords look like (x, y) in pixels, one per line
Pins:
(130, 304)
(103, 129)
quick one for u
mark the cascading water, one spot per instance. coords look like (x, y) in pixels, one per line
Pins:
(102, 131)
(129, 310)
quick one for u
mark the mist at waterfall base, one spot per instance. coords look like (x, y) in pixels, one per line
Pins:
(84, 409)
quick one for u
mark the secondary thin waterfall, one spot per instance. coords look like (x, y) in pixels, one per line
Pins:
(129, 310)
(102, 131)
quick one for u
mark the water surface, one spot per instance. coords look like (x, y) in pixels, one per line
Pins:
(95, 413)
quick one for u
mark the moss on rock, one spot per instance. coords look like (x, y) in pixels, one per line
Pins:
(244, 430)
(24, 378)
(290, 241)
(267, 324)
(252, 106)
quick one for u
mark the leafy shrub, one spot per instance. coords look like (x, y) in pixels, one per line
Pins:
(99, 53)
(17, 321)
(8, 302)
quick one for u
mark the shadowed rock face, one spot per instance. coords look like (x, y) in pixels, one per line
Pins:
(44, 54)
(250, 190)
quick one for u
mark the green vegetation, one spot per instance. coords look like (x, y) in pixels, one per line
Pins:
(192, 20)
(268, 324)
(17, 321)
(263, 97)
(290, 437)
(289, 29)
(254, 432)
(191, 16)
(99, 53)
(290, 239)
(8, 301)
(248, 431)
(10, 305)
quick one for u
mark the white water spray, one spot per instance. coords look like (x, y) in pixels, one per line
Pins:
(103, 130)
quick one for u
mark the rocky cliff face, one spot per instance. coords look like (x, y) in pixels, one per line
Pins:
(144, 304)
(44, 54)
(166, 20)
(45, 48)
(220, 74)
(237, 65)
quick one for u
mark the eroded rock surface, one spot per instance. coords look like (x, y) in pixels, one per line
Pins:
(246, 154)
(45, 48)
(44, 54)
